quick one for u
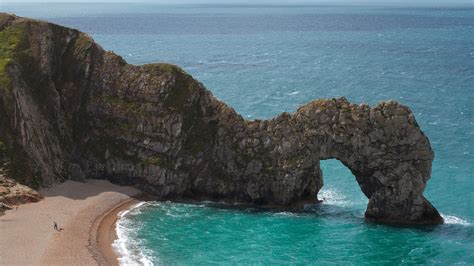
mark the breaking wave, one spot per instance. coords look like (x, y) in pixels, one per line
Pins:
(450, 219)
(126, 244)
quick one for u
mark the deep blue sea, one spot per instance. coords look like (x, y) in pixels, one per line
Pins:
(263, 60)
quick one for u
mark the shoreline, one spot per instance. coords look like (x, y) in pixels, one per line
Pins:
(103, 233)
(85, 213)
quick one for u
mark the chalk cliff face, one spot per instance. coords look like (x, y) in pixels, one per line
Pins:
(70, 110)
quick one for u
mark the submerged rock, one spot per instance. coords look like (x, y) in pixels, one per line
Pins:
(69, 109)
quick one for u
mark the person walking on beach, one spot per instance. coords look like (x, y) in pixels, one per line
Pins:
(55, 226)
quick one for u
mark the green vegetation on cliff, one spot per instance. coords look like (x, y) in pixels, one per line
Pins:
(161, 68)
(13, 47)
(10, 38)
(121, 103)
(184, 98)
(83, 41)
(153, 160)
(183, 84)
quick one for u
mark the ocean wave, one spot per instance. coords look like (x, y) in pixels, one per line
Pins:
(125, 212)
(332, 197)
(285, 214)
(230, 63)
(293, 93)
(127, 245)
(450, 219)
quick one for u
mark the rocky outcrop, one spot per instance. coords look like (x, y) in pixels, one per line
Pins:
(69, 109)
(12, 193)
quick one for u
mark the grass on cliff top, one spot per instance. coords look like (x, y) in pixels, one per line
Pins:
(182, 88)
(161, 68)
(83, 41)
(10, 38)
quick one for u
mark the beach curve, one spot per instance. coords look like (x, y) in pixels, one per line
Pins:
(85, 214)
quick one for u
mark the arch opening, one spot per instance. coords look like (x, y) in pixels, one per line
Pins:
(340, 196)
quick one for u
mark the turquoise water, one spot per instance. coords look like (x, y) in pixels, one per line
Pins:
(263, 60)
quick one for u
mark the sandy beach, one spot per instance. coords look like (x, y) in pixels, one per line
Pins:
(85, 213)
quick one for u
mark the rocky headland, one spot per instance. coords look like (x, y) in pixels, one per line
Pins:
(71, 110)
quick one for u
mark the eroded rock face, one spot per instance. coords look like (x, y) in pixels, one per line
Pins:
(12, 193)
(69, 109)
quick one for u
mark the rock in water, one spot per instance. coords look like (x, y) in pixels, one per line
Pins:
(69, 109)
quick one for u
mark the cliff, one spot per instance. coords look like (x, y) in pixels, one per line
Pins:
(70, 110)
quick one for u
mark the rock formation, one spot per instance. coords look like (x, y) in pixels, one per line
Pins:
(69, 109)
(12, 193)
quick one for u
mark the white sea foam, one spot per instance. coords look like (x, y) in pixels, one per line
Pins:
(293, 92)
(125, 244)
(125, 212)
(285, 214)
(333, 197)
(450, 219)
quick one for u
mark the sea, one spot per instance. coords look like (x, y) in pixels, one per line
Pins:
(266, 59)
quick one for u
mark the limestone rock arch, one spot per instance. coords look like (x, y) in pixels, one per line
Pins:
(382, 146)
(70, 110)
